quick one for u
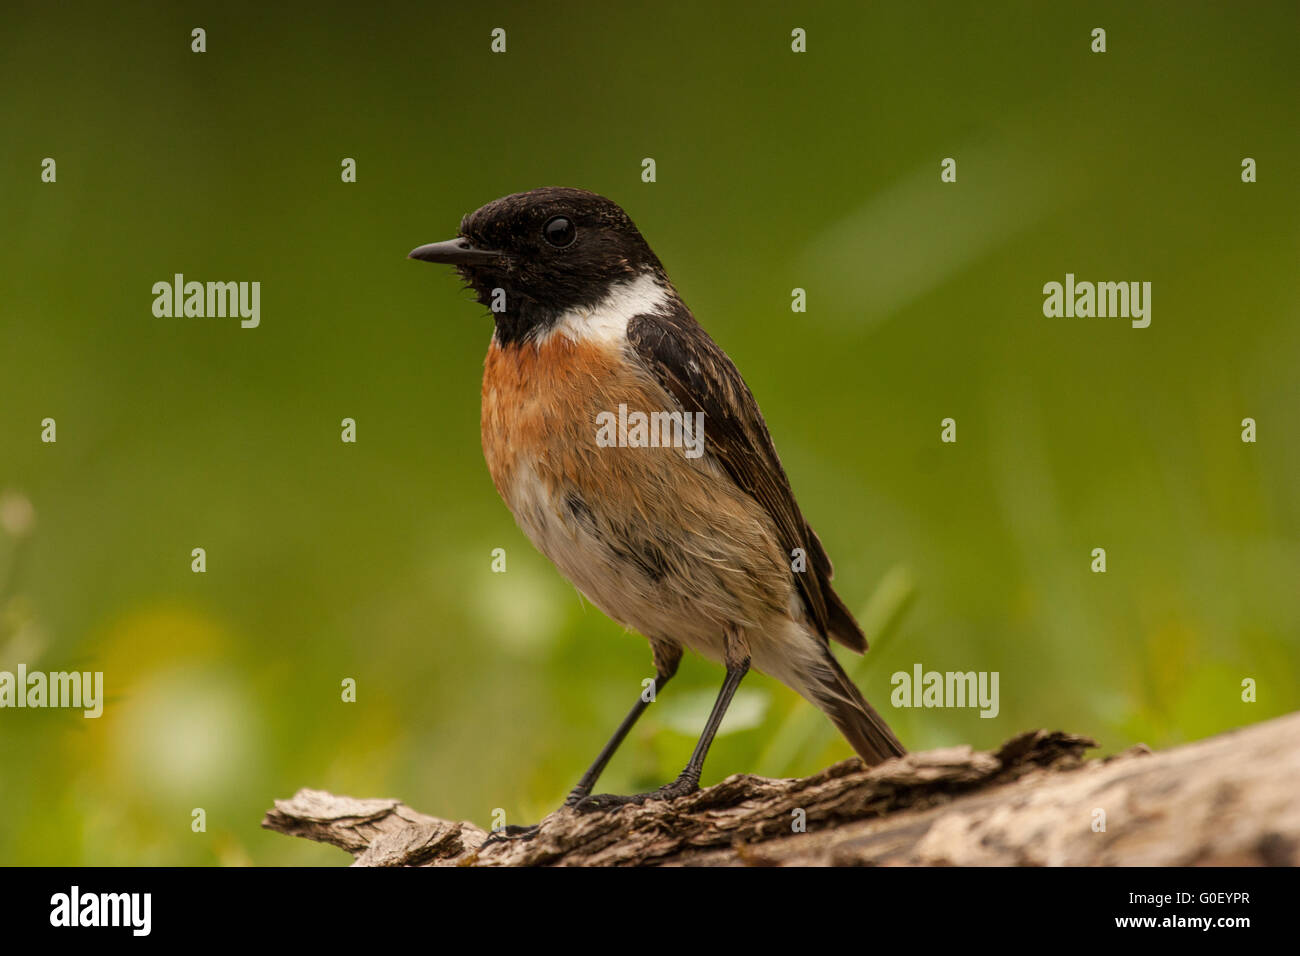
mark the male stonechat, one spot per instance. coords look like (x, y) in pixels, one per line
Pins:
(681, 527)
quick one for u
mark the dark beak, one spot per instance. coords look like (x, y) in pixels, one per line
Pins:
(453, 252)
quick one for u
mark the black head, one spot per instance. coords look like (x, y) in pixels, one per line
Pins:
(549, 250)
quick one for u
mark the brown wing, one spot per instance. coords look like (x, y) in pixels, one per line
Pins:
(692, 368)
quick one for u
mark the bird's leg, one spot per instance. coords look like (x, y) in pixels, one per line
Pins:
(666, 659)
(736, 657)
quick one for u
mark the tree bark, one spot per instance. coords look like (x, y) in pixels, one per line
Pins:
(1227, 800)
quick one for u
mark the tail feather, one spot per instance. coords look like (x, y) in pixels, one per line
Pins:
(841, 626)
(857, 720)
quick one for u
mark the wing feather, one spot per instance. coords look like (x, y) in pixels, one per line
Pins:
(695, 371)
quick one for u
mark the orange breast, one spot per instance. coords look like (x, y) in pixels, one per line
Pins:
(540, 408)
(648, 534)
(540, 402)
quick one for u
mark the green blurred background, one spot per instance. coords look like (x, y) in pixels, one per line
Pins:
(372, 561)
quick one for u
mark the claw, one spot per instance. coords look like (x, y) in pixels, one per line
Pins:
(510, 832)
(609, 801)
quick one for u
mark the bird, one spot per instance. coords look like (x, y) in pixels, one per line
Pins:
(693, 540)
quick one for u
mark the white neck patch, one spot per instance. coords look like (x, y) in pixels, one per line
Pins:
(606, 321)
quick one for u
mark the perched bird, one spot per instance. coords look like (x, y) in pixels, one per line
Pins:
(694, 540)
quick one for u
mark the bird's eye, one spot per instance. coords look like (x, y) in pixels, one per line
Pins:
(559, 231)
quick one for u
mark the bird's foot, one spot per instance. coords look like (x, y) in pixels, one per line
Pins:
(596, 803)
(510, 832)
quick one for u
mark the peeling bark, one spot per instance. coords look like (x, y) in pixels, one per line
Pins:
(1227, 800)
